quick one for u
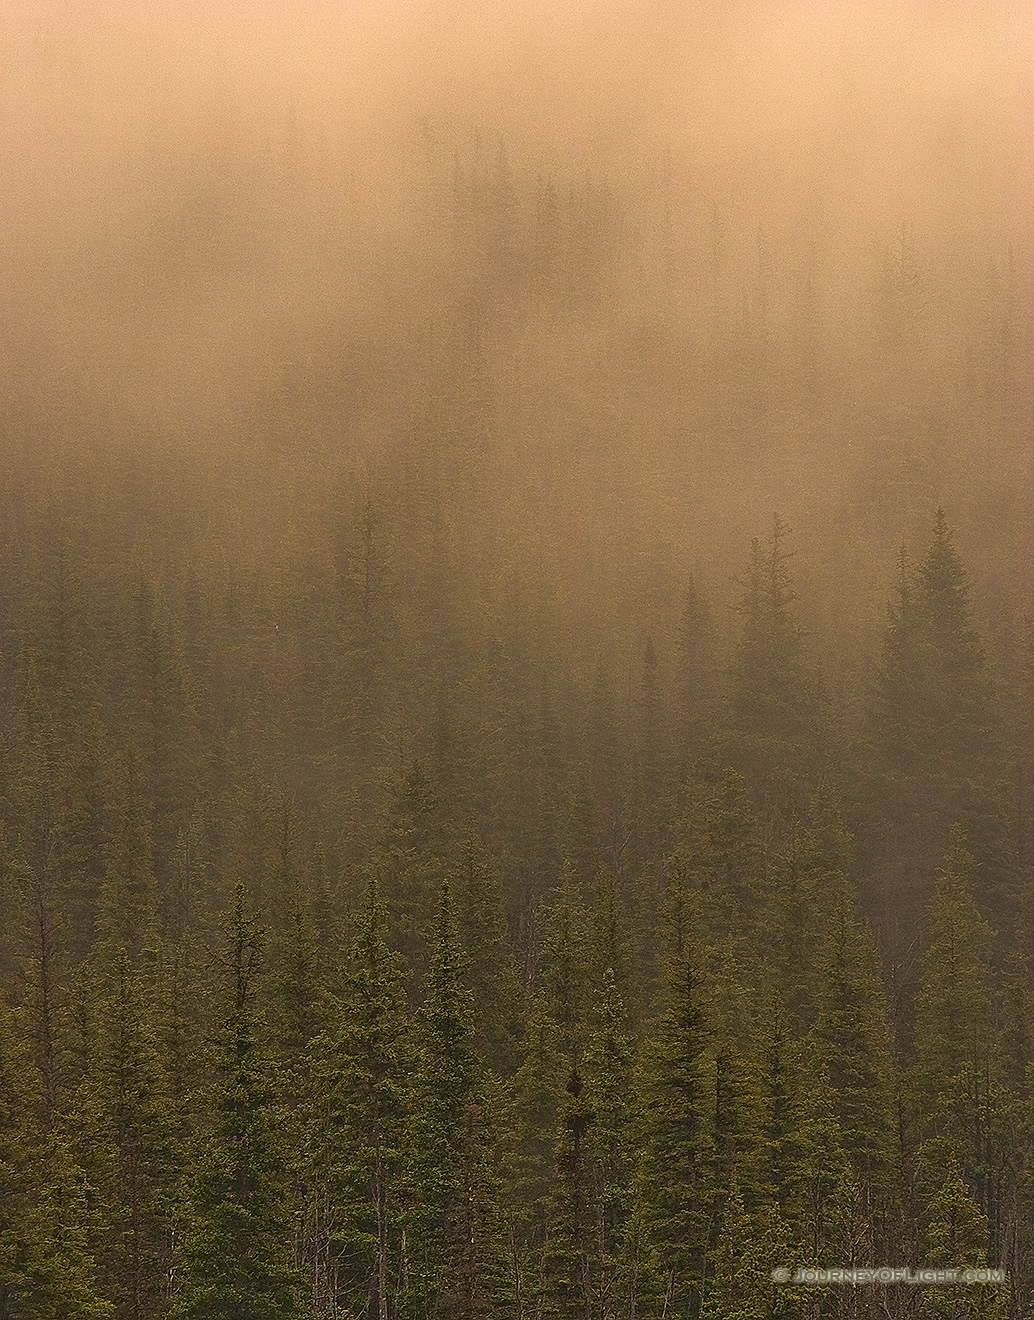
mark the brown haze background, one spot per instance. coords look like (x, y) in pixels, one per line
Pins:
(220, 215)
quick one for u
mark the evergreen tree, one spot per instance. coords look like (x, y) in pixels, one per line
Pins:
(362, 1074)
(412, 861)
(565, 966)
(46, 1268)
(527, 1149)
(807, 876)
(566, 1265)
(933, 697)
(749, 1247)
(453, 1263)
(930, 734)
(775, 702)
(236, 1258)
(652, 732)
(491, 973)
(609, 1075)
(125, 1131)
(957, 1085)
(128, 908)
(720, 855)
(852, 1041)
(956, 1238)
(677, 1157)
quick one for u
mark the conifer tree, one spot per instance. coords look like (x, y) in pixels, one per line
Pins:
(412, 861)
(565, 966)
(609, 1077)
(567, 1266)
(851, 1038)
(128, 909)
(652, 732)
(718, 844)
(930, 731)
(527, 1148)
(124, 1130)
(956, 1238)
(806, 877)
(453, 1265)
(362, 1069)
(933, 711)
(491, 973)
(957, 1086)
(46, 1268)
(677, 1157)
(775, 702)
(237, 1252)
(750, 1246)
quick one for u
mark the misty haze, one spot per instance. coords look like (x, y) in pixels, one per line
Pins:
(516, 740)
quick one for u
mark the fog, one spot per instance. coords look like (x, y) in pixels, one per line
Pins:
(226, 223)
(515, 576)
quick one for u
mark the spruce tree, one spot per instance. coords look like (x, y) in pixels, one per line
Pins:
(851, 1037)
(677, 1157)
(930, 735)
(412, 862)
(46, 1268)
(956, 1238)
(719, 854)
(527, 1148)
(236, 1259)
(695, 680)
(453, 1262)
(491, 973)
(957, 1087)
(567, 1266)
(565, 965)
(775, 701)
(362, 1068)
(611, 1100)
(124, 1128)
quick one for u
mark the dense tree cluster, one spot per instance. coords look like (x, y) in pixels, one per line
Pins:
(431, 899)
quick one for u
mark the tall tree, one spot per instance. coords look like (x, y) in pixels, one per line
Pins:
(491, 973)
(453, 1265)
(775, 701)
(957, 1083)
(237, 1252)
(362, 1071)
(46, 1268)
(930, 734)
(125, 1130)
(852, 1039)
(677, 1156)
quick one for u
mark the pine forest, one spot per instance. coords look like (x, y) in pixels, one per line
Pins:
(516, 703)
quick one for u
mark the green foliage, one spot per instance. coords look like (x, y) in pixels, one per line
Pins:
(675, 1180)
(236, 1256)
(125, 1132)
(453, 1264)
(852, 1041)
(565, 966)
(362, 1069)
(611, 1142)
(956, 1237)
(46, 1268)
(491, 973)
(719, 854)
